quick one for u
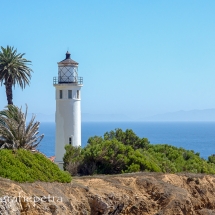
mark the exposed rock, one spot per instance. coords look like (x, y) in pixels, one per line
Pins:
(127, 194)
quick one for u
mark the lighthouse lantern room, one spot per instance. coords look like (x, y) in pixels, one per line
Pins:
(68, 107)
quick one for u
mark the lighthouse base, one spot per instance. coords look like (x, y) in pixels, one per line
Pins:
(60, 164)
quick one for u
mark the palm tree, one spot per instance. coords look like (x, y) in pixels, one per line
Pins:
(13, 70)
(14, 133)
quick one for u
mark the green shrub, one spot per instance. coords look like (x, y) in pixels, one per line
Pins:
(127, 138)
(72, 159)
(117, 152)
(133, 168)
(211, 159)
(120, 152)
(173, 159)
(24, 166)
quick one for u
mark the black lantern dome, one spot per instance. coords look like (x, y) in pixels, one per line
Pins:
(68, 60)
(68, 72)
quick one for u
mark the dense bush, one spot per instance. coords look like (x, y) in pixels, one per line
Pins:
(211, 159)
(123, 152)
(173, 159)
(117, 152)
(127, 138)
(72, 159)
(113, 157)
(24, 166)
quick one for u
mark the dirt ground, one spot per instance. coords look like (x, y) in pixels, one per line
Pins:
(126, 194)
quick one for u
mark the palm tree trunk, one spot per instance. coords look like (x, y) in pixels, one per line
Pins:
(9, 92)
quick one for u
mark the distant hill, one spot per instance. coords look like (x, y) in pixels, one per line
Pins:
(85, 117)
(192, 115)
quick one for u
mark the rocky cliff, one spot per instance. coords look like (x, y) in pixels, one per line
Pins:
(127, 194)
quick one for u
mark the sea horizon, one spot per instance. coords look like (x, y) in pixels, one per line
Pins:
(196, 136)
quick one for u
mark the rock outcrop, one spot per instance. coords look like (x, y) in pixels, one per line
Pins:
(127, 194)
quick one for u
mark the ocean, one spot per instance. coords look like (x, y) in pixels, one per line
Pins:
(197, 136)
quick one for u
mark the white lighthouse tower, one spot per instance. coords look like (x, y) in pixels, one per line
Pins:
(68, 107)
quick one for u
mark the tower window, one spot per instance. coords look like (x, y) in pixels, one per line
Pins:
(70, 141)
(78, 94)
(69, 94)
(61, 94)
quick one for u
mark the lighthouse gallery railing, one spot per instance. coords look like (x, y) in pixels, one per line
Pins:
(57, 80)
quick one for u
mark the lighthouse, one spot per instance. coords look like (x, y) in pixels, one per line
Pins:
(68, 107)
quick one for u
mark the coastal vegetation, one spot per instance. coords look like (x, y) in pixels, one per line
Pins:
(123, 152)
(15, 133)
(14, 70)
(26, 166)
(19, 159)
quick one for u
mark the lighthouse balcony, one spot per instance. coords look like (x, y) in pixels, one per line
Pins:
(68, 80)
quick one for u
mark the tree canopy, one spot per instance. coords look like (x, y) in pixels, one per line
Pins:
(123, 152)
(14, 70)
(15, 133)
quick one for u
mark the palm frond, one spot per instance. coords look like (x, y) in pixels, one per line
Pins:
(14, 70)
(14, 133)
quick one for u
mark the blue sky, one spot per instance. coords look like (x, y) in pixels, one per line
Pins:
(137, 58)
